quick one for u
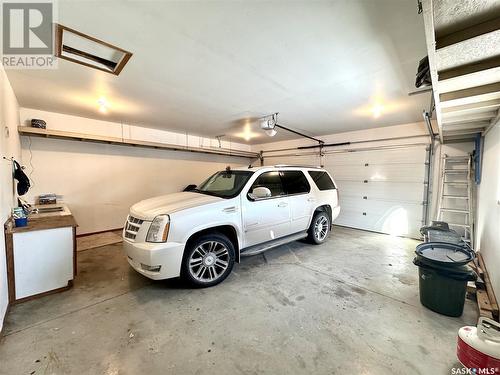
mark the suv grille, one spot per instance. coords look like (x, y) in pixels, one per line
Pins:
(132, 227)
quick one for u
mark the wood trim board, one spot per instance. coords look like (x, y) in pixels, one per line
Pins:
(47, 293)
(58, 134)
(99, 232)
(9, 253)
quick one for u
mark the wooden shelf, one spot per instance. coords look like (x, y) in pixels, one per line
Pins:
(58, 134)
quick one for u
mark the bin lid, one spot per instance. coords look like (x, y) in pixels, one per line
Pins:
(443, 253)
(449, 236)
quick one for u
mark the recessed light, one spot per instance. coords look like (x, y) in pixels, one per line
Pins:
(103, 104)
(247, 134)
(377, 110)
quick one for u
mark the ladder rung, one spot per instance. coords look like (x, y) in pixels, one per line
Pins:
(455, 171)
(455, 210)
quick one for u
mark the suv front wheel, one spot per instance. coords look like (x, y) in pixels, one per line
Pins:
(208, 260)
(319, 229)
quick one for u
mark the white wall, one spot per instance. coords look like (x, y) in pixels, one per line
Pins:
(9, 146)
(488, 208)
(417, 129)
(100, 182)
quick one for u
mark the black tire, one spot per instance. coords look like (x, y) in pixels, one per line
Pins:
(212, 261)
(313, 237)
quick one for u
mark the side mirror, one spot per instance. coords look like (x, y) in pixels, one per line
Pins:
(261, 193)
(190, 187)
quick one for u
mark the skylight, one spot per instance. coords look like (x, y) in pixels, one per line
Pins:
(83, 49)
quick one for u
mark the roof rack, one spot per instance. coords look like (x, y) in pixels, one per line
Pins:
(296, 166)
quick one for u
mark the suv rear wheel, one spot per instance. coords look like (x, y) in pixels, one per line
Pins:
(320, 228)
(208, 260)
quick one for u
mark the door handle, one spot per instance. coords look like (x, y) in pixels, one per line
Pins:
(282, 204)
(230, 209)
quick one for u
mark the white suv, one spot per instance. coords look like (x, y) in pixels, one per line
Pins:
(199, 234)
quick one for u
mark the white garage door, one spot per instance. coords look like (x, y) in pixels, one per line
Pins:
(380, 190)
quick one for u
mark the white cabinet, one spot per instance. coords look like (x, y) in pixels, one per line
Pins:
(43, 260)
(41, 257)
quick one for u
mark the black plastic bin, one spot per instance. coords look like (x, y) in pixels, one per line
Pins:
(443, 276)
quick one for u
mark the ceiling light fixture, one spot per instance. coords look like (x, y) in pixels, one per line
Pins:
(377, 110)
(247, 134)
(103, 105)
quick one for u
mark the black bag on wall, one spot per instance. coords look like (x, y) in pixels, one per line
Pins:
(23, 182)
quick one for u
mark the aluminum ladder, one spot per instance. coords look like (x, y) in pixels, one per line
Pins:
(455, 204)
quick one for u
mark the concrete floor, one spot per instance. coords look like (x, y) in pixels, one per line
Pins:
(350, 305)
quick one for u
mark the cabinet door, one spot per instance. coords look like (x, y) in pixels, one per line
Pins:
(43, 260)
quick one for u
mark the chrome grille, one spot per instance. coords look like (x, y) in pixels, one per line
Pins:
(132, 227)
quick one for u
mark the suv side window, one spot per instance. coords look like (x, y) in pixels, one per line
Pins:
(322, 180)
(295, 182)
(270, 180)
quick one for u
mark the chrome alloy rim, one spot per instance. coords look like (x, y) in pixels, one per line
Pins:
(209, 261)
(321, 228)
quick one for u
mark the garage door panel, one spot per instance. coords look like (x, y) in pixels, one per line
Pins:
(394, 189)
(389, 191)
(381, 207)
(354, 219)
(385, 172)
(412, 154)
(397, 219)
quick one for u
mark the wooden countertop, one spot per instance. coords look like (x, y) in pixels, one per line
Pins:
(41, 221)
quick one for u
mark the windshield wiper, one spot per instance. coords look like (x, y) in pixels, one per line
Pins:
(206, 192)
(200, 191)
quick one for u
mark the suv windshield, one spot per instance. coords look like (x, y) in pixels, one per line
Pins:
(225, 184)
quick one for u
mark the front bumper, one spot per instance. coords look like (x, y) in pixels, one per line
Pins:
(335, 213)
(167, 255)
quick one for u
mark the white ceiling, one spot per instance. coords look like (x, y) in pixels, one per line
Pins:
(206, 67)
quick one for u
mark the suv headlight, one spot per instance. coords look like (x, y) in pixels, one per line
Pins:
(158, 230)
